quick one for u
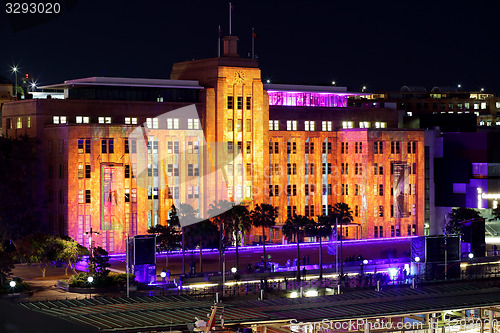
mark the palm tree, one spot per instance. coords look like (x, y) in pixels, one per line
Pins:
(343, 214)
(221, 215)
(321, 228)
(238, 226)
(296, 227)
(202, 234)
(264, 216)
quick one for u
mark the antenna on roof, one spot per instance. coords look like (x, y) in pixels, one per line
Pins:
(231, 7)
(218, 41)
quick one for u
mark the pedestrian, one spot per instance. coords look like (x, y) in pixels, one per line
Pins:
(168, 276)
(304, 273)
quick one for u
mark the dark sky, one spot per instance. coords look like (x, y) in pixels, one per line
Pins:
(382, 44)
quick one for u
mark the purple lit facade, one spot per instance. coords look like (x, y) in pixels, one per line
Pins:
(303, 98)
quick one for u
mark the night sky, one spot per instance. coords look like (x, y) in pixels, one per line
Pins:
(381, 44)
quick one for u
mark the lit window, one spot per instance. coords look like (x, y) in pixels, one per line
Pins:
(79, 119)
(19, 122)
(364, 124)
(476, 106)
(409, 113)
(101, 120)
(55, 119)
(347, 124)
(483, 106)
(28, 122)
(270, 125)
(276, 125)
(497, 105)
(130, 121)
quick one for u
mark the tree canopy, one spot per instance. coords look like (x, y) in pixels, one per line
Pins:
(458, 215)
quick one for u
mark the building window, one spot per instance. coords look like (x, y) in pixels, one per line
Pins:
(127, 170)
(394, 147)
(381, 189)
(249, 103)
(249, 147)
(230, 102)
(239, 125)
(193, 124)
(276, 125)
(326, 126)
(229, 125)
(230, 148)
(80, 170)
(249, 169)
(240, 102)
(88, 171)
(80, 197)
(172, 123)
(107, 146)
(344, 148)
(381, 211)
(19, 122)
(28, 122)
(291, 125)
(356, 189)
(130, 121)
(190, 170)
(87, 196)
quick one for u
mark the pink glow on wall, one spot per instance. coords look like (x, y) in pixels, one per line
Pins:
(292, 98)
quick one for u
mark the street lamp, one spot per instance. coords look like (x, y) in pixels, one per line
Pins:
(234, 270)
(15, 70)
(471, 255)
(12, 285)
(417, 261)
(163, 275)
(90, 279)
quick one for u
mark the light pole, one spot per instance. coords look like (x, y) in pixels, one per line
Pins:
(15, 70)
(90, 233)
(417, 261)
(163, 275)
(90, 279)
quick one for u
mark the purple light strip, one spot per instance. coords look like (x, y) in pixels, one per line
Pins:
(258, 248)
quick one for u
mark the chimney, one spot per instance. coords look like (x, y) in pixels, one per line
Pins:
(230, 46)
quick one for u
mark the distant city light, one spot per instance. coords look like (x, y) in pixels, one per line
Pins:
(234, 270)
(365, 262)
(482, 89)
(417, 259)
(471, 255)
(459, 86)
(333, 83)
(268, 81)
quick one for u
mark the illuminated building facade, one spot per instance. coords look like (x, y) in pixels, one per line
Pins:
(119, 152)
